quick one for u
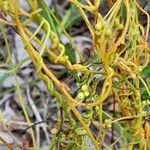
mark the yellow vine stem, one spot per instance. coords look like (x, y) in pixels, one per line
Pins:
(99, 101)
(67, 35)
(6, 144)
(105, 94)
(71, 105)
(51, 53)
(79, 5)
(100, 114)
(105, 56)
(76, 67)
(89, 7)
(146, 49)
(47, 37)
(77, 114)
(148, 20)
(121, 38)
(146, 87)
(146, 55)
(124, 118)
(6, 22)
(113, 8)
(62, 86)
(33, 4)
(89, 3)
(55, 80)
(97, 4)
(23, 12)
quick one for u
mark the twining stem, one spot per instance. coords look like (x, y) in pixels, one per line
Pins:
(6, 144)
